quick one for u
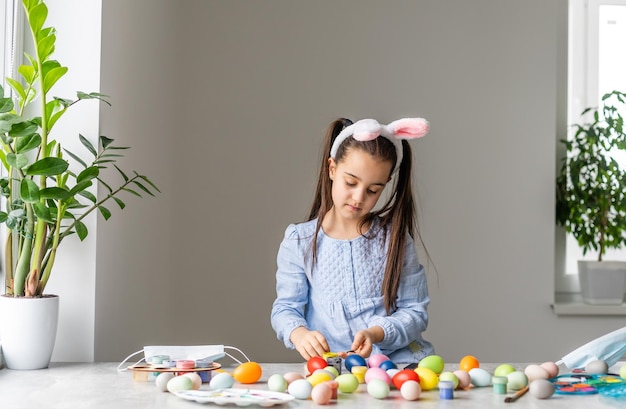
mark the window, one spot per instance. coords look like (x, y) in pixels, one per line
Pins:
(596, 65)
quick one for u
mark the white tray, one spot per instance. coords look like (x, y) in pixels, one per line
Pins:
(239, 397)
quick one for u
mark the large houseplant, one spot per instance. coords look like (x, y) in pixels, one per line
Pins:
(48, 190)
(591, 192)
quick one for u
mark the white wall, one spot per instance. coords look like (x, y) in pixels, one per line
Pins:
(225, 104)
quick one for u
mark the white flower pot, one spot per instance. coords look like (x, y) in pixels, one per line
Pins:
(602, 282)
(28, 330)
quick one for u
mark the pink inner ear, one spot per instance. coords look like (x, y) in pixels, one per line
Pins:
(416, 129)
(363, 135)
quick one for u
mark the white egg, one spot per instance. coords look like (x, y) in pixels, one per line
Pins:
(277, 383)
(480, 377)
(534, 371)
(541, 389)
(597, 367)
(300, 389)
(221, 380)
(162, 379)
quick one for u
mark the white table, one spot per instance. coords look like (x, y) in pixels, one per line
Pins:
(99, 385)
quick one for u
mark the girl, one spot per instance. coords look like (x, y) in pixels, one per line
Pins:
(348, 279)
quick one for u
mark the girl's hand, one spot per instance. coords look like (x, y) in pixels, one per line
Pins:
(309, 343)
(364, 339)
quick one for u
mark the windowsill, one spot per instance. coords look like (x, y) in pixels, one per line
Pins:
(572, 304)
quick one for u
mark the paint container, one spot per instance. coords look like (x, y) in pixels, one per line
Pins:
(446, 390)
(359, 372)
(499, 384)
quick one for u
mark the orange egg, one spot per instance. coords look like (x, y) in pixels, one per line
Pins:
(468, 362)
(248, 372)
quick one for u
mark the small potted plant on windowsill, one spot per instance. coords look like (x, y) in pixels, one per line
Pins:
(591, 197)
(46, 192)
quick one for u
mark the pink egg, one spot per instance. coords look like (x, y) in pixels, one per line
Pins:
(321, 393)
(377, 373)
(375, 360)
(551, 367)
(292, 376)
(464, 378)
(410, 390)
(196, 380)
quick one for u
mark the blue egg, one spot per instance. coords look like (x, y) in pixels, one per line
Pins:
(354, 360)
(386, 365)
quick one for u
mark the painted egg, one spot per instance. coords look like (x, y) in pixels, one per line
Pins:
(292, 376)
(354, 360)
(377, 373)
(403, 376)
(162, 379)
(536, 372)
(464, 378)
(179, 383)
(378, 388)
(196, 380)
(222, 380)
(319, 377)
(248, 372)
(468, 362)
(480, 377)
(517, 380)
(432, 362)
(503, 370)
(541, 389)
(375, 360)
(449, 376)
(551, 367)
(321, 393)
(277, 383)
(347, 383)
(387, 365)
(300, 389)
(316, 362)
(410, 390)
(597, 367)
(428, 379)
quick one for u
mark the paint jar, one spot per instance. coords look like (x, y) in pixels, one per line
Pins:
(499, 384)
(446, 390)
(359, 372)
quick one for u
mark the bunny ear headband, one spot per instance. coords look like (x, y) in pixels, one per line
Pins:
(370, 129)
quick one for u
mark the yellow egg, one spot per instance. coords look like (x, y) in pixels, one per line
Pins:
(319, 377)
(428, 378)
(248, 372)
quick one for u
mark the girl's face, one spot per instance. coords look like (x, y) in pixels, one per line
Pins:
(358, 182)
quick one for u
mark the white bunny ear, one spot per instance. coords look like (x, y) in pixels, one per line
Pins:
(409, 128)
(366, 130)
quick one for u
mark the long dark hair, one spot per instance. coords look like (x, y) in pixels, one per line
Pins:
(397, 214)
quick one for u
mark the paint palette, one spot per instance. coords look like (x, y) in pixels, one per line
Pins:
(584, 384)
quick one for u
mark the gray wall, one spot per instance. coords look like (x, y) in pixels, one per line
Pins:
(225, 104)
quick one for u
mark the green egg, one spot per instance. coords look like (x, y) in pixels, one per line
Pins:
(347, 383)
(179, 383)
(433, 362)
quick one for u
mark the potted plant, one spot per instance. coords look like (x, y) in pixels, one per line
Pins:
(46, 190)
(591, 197)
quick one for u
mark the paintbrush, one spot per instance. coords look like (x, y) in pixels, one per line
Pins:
(517, 395)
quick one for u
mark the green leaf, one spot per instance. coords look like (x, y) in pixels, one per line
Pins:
(149, 182)
(76, 158)
(27, 143)
(105, 142)
(93, 95)
(55, 193)
(119, 202)
(28, 72)
(17, 161)
(17, 87)
(88, 195)
(142, 187)
(105, 212)
(29, 192)
(91, 172)
(3, 217)
(88, 145)
(37, 16)
(24, 128)
(42, 212)
(131, 191)
(6, 105)
(126, 178)
(81, 230)
(48, 167)
(81, 187)
(53, 76)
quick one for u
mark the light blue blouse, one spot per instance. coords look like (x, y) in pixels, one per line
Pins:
(341, 294)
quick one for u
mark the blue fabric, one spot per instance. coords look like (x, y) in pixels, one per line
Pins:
(342, 293)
